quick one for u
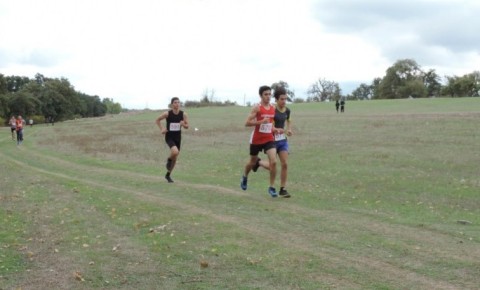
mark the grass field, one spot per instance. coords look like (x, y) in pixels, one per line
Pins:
(384, 196)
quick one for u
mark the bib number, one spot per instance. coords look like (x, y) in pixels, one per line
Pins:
(265, 128)
(174, 127)
(279, 137)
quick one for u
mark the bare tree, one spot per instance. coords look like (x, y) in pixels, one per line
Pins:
(323, 90)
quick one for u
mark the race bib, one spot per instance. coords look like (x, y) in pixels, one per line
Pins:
(279, 137)
(174, 127)
(265, 128)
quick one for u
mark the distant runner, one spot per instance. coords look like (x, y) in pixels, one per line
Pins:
(13, 126)
(175, 120)
(19, 128)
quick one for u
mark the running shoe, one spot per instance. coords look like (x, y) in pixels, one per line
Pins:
(272, 192)
(284, 193)
(168, 178)
(243, 183)
(169, 164)
(257, 164)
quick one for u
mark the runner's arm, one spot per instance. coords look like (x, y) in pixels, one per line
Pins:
(252, 117)
(289, 127)
(159, 119)
(184, 122)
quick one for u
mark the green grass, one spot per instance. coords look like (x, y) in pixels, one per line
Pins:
(377, 196)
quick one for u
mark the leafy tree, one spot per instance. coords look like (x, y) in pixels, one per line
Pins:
(376, 88)
(282, 84)
(111, 106)
(39, 78)
(23, 103)
(464, 86)
(99, 108)
(4, 109)
(60, 93)
(3, 85)
(401, 81)
(363, 92)
(413, 89)
(431, 81)
(15, 83)
(323, 90)
(52, 98)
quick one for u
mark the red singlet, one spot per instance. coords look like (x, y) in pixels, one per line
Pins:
(263, 133)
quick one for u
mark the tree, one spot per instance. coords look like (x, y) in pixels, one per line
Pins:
(55, 98)
(431, 81)
(23, 103)
(62, 97)
(323, 90)
(39, 78)
(111, 106)
(363, 92)
(464, 86)
(4, 109)
(99, 109)
(208, 96)
(376, 88)
(3, 85)
(401, 81)
(15, 83)
(282, 84)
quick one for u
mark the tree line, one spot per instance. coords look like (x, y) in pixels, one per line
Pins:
(404, 79)
(43, 98)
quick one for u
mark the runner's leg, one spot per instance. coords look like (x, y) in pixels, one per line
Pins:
(283, 173)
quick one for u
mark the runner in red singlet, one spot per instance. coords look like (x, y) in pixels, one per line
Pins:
(282, 129)
(262, 138)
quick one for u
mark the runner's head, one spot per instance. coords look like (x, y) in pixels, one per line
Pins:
(280, 96)
(265, 93)
(175, 103)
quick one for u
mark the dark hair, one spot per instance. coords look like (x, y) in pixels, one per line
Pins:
(279, 91)
(263, 89)
(174, 99)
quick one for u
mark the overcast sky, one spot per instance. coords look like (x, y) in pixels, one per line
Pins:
(142, 53)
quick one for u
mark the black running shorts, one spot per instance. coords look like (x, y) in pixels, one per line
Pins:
(257, 148)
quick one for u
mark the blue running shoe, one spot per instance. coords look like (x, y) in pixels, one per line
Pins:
(243, 183)
(272, 192)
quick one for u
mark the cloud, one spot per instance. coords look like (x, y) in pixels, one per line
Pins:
(145, 52)
(429, 31)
